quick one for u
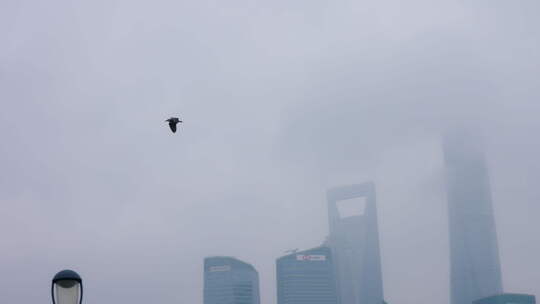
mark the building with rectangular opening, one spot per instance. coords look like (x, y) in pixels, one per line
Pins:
(354, 241)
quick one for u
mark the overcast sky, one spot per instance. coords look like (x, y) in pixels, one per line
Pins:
(281, 100)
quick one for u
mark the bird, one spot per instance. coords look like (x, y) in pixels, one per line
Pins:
(173, 121)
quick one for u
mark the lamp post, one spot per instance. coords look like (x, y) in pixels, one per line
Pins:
(67, 288)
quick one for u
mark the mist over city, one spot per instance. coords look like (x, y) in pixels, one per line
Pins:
(426, 111)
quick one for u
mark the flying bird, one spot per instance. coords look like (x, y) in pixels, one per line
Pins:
(173, 121)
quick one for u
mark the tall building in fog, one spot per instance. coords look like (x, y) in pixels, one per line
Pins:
(306, 277)
(230, 281)
(474, 256)
(355, 245)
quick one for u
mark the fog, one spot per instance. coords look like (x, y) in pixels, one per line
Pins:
(280, 101)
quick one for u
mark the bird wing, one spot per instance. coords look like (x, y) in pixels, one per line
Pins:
(172, 125)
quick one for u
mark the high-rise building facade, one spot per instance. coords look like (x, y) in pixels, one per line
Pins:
(306, 277)
(508, 298)
(354, 241)
(474, 256)
(228, 280)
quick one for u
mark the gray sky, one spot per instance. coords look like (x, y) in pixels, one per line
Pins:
(281, 99)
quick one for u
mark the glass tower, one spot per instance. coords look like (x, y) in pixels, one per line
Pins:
(230, 281)
(474, 257)
(306, 277)
(354, 241)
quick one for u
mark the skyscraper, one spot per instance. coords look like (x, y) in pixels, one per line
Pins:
(355, 245)
(230, 281)
(306, 277)
(474, 257)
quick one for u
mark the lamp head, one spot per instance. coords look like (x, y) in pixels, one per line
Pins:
(67, 288)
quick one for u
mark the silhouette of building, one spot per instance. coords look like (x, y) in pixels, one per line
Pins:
(354, 241)
(230, 281)
(306, 277)
(508, 298)
(474, 257)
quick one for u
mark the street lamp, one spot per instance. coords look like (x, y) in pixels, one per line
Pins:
(67, 288)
